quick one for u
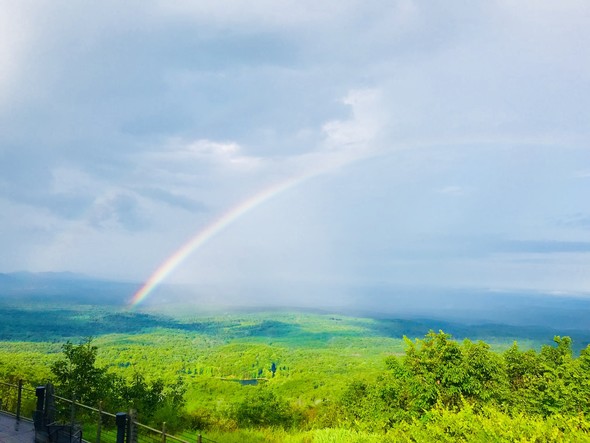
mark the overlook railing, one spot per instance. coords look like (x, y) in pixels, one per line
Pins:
(16, 399)
(60, 420)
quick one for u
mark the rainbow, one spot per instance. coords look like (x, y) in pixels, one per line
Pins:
(205, 234)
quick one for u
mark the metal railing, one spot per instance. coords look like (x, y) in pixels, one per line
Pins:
(82, 422)
(16, 399)
(97, 426)
(147, 434)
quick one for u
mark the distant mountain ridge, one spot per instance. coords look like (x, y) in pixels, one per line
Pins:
(460, 306)
(479, 306)
(63, 287)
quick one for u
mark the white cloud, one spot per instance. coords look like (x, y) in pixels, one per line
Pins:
(71, 180)
(260, 13)
(367, 118)
(224, 154)
(16, 34)
(453, 190)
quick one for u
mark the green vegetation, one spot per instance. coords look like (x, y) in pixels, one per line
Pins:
(77, 376)
(305, 377)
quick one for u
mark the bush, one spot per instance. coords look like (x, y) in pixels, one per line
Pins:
(263, 409)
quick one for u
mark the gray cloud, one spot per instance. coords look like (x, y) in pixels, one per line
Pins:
(577, 220)
(119, 210)
(173, 199)
(544, 246)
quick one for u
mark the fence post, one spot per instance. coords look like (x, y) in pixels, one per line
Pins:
(40, 393)
(49, 410)
(39, 413)
(99, 423)
(164, 432)
(73, 411)
(121, 421)
(18, 401)
(199, 438)
(132, 436)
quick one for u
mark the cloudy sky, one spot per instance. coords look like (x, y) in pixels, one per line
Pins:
(424, 143)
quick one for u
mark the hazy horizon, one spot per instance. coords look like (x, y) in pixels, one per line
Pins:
(423, 306)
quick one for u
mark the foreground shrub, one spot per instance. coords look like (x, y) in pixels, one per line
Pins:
(263, 409)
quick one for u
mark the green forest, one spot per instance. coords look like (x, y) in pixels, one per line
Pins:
(306, 377)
